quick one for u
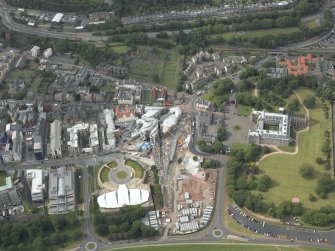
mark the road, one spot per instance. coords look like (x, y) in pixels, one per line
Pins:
(88, 36)
(313, 40)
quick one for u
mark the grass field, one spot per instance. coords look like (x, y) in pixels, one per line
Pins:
(121, 174)
(2, 178)
(220, 247)
(243, 110)
(257, 33)
(284, 169)
(26, 72)
(119, 48)
(136, 166)
(104, 175)
(209, 96)
(112, 164)
(312, 24)
(301, 110)
(147, 62)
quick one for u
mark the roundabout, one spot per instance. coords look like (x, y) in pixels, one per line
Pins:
(91, 246)
(217, 233)
(121, 175)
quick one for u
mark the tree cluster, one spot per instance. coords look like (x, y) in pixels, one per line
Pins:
(273, 41)
(242, 180)
(309, 101)
(307, 171)
(326, 149)
(43, 233)
(322, 217)
(216, 147)
(124, 224)
(62, 5)
(156, 187)
(324, 186)
(86, 51)
(221, 133)
(211, 163)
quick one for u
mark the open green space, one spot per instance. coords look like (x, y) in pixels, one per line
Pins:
(257, 33)
(243, 110)
(312, 24)
(221, 247)
(136, 166)
(291, 146)
(91, 246)
(155, 65)
(211, 97)
(121, 175)
(112, 164)
(26, 72)
(284, 169)
(104, 175)
(3, 176)
(119, 48)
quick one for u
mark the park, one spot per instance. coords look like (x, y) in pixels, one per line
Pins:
(283, 169)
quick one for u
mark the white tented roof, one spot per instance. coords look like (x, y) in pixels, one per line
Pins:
(57, 18)
(123, 196)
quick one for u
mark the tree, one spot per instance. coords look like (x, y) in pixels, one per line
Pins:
(319, 160)
(264, 183)
(293, 105)
(312, 198)
(306, 171)
(309, 101)
(195, 158)
(156, 78)
(221, 133)
(217, 146)
(325, 185)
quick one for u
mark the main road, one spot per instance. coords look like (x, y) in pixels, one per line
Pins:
(88, 36)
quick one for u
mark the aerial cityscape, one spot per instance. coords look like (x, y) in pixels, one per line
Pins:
(167, 125)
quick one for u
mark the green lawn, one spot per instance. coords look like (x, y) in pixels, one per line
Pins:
(284, 169)
(112, 164)
(211, 97)
(104, 175)
(258, 33)
(121, 174)
(301, 110)
(136, 166)
(2, 178)
(119, 48)
(147, 62)
(91, 246)
(312, 24)
(219, 247)
(243, 110)
(26, 72)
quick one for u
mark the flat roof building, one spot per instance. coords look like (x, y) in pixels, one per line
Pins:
(55, 146)
(61, 191)
(107, 122)
(39, 136)
(36, 180)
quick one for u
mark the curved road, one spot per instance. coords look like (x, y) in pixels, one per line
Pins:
(87, 36)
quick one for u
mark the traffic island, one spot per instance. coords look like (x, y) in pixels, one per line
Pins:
(91, 246)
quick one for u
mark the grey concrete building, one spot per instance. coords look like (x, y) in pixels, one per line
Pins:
(61, 191)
